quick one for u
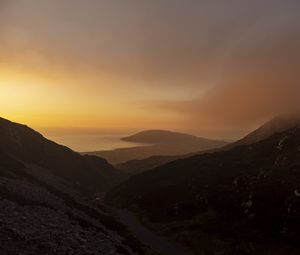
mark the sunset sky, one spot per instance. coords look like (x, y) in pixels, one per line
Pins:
(215, 68)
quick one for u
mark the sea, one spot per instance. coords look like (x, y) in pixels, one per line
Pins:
(89, 143)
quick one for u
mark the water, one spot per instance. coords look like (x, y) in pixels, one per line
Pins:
(86, 143)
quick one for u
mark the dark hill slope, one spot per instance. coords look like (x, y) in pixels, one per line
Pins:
(161, 143)
(276, 125)
(143, 165)
(41, 213)
(92, 174)
(249, 194)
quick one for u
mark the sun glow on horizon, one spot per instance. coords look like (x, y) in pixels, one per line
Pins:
(48, 103)
(101, 65)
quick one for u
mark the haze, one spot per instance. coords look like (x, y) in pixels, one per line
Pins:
(212, 68)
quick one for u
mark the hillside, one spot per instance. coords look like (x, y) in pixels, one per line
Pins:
(161, 143)
(275, 125)
(142, 165)
(42, 207)
(164, 136)
(242, 201)
(92, 174)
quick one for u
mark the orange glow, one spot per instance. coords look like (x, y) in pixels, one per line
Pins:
(44, 102)
(215, 71)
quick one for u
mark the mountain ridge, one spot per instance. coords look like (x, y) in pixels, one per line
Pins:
(276, 125)
(27, 145)
(45, 211)
(249, 193)
(271, 127)
(160, 143)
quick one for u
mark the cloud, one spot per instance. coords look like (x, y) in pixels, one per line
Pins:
(258, 77)
(173, 41)
(246, 52)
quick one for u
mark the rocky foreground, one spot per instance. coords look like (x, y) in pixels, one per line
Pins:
(42, 214)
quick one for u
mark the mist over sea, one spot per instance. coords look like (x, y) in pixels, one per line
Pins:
(94, 142)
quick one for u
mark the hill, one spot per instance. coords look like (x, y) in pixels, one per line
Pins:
(142, 165)
(268, 129)
(42, 207)
(242, 201)
(275, 125)
(161, 143)
(164, 136)
(90, 173)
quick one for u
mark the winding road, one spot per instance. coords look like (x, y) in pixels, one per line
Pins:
(158, 243)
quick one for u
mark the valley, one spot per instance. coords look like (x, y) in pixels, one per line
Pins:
(139, 127)
(245, 199)
(242, 197)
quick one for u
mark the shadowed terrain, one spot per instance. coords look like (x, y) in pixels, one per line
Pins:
(245, 200)
(161, 143)
(44, 207)
(276, 125)
(90, 173)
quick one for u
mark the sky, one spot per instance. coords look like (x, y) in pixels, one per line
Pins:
(215, 68)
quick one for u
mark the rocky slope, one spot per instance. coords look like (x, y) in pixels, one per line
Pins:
(40, 213)
(44, 207)
(242, 201)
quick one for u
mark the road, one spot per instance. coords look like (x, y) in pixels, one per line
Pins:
(158, 243)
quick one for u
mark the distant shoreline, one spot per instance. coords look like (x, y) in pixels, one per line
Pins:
(84, 143)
